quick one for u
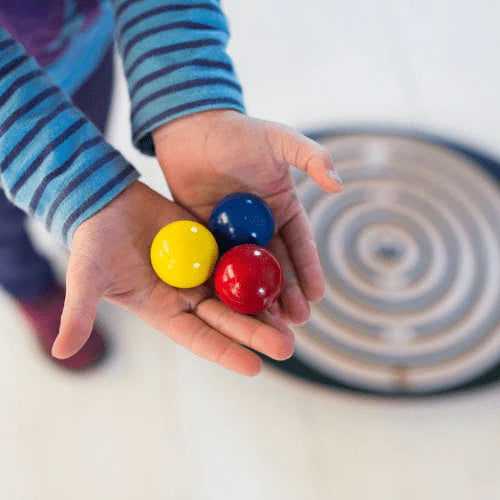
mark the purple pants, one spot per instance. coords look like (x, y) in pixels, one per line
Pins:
(23, 272)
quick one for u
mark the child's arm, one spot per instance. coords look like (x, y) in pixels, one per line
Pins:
(175, 61)
(54, 164)
(185, 93)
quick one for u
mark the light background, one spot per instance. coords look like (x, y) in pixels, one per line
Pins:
(157, 423)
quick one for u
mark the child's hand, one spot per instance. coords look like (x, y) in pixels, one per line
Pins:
(208, 155)
(110, 258)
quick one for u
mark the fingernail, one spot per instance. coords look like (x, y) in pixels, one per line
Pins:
(335, 177)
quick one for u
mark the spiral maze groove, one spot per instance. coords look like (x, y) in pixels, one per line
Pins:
(411, 255)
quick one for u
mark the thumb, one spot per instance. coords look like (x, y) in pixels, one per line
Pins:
(291, 147)
(79, 313)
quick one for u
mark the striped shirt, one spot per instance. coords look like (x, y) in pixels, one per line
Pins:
(54, 164)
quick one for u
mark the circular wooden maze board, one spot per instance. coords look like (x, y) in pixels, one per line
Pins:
(411, 255)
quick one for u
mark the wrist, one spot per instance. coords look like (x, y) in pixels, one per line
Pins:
(186, 124)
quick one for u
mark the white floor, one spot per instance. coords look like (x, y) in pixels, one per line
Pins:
(157, 423)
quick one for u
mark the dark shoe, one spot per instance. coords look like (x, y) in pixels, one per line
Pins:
(44, 314)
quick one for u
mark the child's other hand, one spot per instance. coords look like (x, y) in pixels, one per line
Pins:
(207, 155)
(110, 258)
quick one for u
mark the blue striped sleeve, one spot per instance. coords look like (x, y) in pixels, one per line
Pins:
(175, 61)
(54, 164)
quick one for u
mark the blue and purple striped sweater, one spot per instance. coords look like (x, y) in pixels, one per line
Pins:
(54, 164)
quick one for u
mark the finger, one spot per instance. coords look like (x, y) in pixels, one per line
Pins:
(194, 334)
(298, 150)
(297, 237)
(275, 321)
(79, 313)
(170, 311)
(273, 339)
(293, 302)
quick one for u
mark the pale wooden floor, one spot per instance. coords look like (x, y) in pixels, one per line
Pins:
(157, 423)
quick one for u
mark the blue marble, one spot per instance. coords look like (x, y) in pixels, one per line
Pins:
(241, 218)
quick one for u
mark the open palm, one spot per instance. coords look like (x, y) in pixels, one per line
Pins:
(110, 259)
(208, 155)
